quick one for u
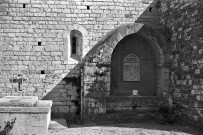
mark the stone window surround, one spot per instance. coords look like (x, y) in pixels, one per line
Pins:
(67, 42)
(77, 54)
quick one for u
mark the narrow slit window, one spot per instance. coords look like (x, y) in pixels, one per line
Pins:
(74, 45)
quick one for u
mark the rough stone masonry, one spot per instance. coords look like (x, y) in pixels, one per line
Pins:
(36, 45)
(185, 21)
(32, 37)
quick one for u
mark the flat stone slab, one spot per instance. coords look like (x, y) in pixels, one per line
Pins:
(22, 101)
(41, 106)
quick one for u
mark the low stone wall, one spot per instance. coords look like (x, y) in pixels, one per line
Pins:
(134, 102)
(122, 109)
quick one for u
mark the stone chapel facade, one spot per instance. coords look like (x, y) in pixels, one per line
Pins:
(89, 55)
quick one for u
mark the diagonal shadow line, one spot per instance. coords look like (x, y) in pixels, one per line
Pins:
(62, 83)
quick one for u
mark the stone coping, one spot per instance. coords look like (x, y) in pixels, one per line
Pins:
(129, 101)
(20, 101)
(118, 98)
(41, 106)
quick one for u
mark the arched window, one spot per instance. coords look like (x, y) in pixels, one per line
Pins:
(76, 41)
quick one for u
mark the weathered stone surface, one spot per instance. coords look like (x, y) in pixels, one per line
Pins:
(26, 119)
(35, 45)
(186, 52)
(36, 42)
(18, 101)
(97, 83)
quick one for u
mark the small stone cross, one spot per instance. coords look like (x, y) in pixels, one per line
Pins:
(19, 81)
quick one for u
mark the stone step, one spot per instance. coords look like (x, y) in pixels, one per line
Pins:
(127, 109)
(119, 103)
(137, 110)
(122, 116)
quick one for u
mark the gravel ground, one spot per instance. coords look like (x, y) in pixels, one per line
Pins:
(144, 128)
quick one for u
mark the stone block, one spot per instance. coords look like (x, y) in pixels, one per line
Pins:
(73, 109)
(63, 94)
(57, 103)
(52, 48)
(90, 70)
(39, 48)
(64, 109)
(55, 109)
(102, 110)
(68, 86)
(64, 99)
(54, 94)
(23, 1)
(26, 119)
(195, 87)
(118, 108)
(69, 103)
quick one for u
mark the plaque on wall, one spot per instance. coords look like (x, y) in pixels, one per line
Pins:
(131, 68)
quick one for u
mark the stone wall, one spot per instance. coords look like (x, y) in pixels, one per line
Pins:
(33, 43)
(34, 49)
(151, 15)
(184, 19)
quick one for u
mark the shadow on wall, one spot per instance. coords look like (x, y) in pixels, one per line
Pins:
(151, 15)
(66, 95)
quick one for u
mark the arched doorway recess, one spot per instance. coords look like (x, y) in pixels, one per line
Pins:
(135, 66)
(97, 93)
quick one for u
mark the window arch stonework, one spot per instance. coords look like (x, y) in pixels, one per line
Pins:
(74, 36)
(76, 43)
